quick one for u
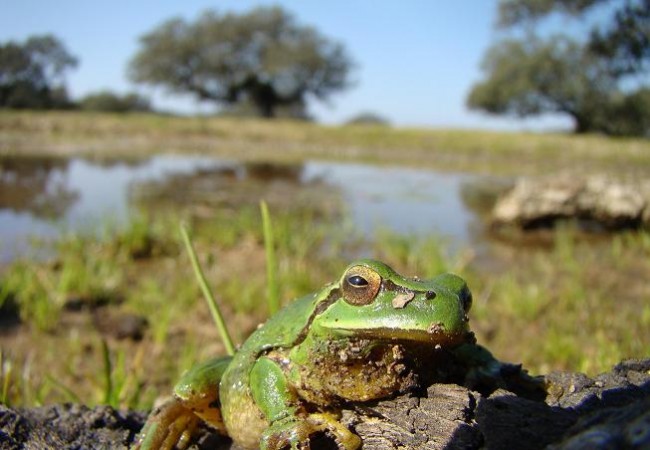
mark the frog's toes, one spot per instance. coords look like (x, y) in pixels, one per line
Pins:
(170, 427)
(294, 433)
(345, 439)
(287, 433)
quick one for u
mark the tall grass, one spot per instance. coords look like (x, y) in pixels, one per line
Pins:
(207, 293)
(272, 288)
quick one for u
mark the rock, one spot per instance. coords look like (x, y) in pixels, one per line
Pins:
(610, 411)
(613, 409)
(596, 201)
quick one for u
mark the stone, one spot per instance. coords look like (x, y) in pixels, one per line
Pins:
(599, 202)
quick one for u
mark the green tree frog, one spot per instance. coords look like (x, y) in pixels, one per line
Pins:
(370, 335)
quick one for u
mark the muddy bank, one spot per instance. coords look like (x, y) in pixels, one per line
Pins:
(610, 411)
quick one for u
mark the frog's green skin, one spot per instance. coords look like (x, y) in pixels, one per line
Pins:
(370, 335)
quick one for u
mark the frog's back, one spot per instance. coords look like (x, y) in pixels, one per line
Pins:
(287, 326)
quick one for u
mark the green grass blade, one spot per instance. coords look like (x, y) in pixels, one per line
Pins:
(108, 378)
(207, 293)
(69, 393)
(5, 371)
(272, 288)
(4, 400)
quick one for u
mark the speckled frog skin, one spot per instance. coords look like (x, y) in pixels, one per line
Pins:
(369, 335)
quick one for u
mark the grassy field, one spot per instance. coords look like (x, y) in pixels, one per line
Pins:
(114, 135)
(573, 303)
(553, 308)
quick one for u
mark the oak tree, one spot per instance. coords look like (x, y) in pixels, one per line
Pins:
(32, 73)
(262, 57)
(601, 80)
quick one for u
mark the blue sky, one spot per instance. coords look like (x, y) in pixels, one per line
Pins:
(416, 59)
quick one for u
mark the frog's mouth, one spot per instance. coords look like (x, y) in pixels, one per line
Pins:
(435, 335)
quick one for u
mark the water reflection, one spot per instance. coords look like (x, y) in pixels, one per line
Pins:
(408, 201)
(37, 186)
(43, 196)
(274, 172)
(479, 194)
(231, 186)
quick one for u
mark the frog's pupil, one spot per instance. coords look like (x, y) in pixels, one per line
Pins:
(357, 281)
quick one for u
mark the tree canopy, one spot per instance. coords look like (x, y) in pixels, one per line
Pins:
(515, 12)
(32, 73)
(262, 57)
(600, 81)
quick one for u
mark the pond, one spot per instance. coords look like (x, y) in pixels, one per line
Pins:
(42, 197)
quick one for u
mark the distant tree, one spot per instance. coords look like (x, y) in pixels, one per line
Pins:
(111, 102)
(624, 40)
(533, 77)
(368, 118)
(32, 73)
(588, 80)
(262, 57)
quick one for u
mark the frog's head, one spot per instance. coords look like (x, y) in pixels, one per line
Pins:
(373, 301)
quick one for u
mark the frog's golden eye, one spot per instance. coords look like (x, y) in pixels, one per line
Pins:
(360, 285)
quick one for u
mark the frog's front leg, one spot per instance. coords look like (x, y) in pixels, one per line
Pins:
(168, 427)
(290, 425)
(196, 399)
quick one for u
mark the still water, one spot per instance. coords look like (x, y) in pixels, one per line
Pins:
(42, 197)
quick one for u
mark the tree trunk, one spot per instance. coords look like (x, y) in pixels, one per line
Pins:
(264, 97)
(266, 109)
(582, 124)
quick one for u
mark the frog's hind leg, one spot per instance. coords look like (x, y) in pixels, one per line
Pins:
(196, 400)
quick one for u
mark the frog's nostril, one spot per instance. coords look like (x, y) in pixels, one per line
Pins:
(430, 295)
